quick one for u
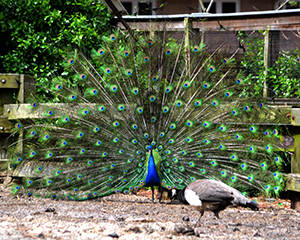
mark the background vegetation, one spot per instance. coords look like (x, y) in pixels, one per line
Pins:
(283, 77)
(33, 32)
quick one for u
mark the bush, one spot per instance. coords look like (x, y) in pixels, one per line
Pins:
(283, 78)
(285, 75)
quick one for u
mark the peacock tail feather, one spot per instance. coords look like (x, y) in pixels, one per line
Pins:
(148, 112)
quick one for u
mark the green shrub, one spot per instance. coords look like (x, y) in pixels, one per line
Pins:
(283, 78)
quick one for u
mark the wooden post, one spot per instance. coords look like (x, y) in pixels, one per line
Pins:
(21, 86)
(187, 46)
(271, 52)
(296, 157)
(274, 46)
(266, 60)
(152, 31)
(293, 181)
(295, 121)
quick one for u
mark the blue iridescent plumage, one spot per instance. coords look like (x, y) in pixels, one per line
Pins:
(152, 178)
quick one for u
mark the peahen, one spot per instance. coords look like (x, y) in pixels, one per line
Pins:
(145, 113)
(212, 195)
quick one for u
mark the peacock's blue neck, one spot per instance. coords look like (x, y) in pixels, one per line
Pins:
(152, 178)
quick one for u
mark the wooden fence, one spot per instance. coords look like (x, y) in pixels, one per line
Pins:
(15, 91)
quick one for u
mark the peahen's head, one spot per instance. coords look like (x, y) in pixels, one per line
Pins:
(174, 193)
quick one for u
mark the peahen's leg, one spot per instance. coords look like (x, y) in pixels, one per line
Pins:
(217, 216)
(201, 214)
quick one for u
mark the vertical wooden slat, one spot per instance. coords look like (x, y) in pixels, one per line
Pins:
(187, 31)
(266, 60)
(296, 156)
(14, 88)
(274, 46)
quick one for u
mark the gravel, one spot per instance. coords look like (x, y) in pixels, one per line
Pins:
(136, 217)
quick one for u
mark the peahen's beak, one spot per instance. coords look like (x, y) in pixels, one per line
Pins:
(174, 193)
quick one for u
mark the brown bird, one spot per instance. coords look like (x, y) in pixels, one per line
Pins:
(212, 195)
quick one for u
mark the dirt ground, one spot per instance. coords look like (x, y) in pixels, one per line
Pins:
(136, 217)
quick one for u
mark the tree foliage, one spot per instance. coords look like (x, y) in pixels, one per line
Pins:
(33, 32)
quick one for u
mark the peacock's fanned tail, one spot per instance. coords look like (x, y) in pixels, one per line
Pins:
(132, 96)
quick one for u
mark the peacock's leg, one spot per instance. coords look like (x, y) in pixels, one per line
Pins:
(152, 189)
(161, 191)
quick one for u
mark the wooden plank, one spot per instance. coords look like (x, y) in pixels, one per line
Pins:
(27, 88)
(16, 111)
(23, 86)
(295, 116)
(5, 125)
(211, 23)
(4, 164)
(9, 81)
(158, 26)
(293, 182)
(6, 97)
(23, 111)
(250, 24)
(26, 85)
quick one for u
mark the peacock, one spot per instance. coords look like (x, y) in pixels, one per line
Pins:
(147, 111)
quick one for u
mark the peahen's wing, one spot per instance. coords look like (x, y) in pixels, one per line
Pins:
(209, 191)
(188, 105)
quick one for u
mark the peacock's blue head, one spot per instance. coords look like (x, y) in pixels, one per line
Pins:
(149, 147)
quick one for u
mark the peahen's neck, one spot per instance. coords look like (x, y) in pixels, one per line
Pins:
(152, 178)
(181, 197)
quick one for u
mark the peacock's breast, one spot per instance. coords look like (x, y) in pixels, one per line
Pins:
(152, 177)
